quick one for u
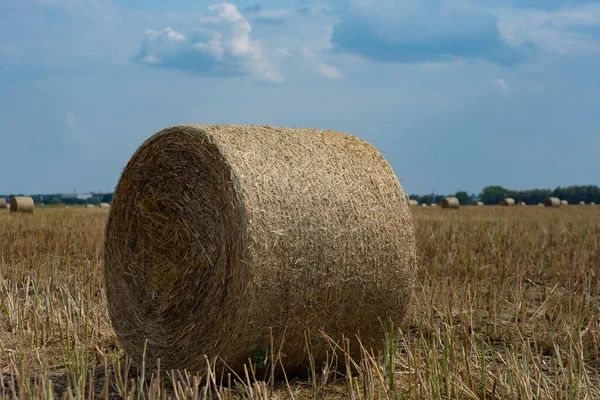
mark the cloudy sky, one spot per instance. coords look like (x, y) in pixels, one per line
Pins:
(457, 94)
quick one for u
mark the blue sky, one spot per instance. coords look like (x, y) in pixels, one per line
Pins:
(457, 94)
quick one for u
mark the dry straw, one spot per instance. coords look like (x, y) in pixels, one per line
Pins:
(564, 203)
(413, 203)
(218, 234)
(450, 202)
(508, 202)
(21, 204)
(3, 204)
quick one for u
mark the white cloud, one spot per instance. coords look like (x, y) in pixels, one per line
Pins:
(501, 84)
(564, 31)
(221, 45)
(328, 71)
(71, 119)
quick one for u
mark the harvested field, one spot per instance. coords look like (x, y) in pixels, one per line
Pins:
(507, 305)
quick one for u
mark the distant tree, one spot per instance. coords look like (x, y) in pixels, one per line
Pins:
(493, 194)
(464, 198)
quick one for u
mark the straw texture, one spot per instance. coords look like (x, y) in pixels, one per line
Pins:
(21, 204)
(450, 202)
(3, 204)
(552, 202)
(218, 233)
(508, 202)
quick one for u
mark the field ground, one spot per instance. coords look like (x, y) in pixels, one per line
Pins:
(506, 306)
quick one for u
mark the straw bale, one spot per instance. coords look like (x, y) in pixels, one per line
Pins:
(21, 204)
(564, 203)
(450, 202)
(3, 204)
(433, 205)
(508, 202)
(582, 203)
(104, 205)
(592, 203)
(423, 205)
(89, 206)
(218, 234)
(479, 203)
(522, 203)
(552, 202)
(413, 203)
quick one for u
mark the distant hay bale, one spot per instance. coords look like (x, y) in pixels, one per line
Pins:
(564, 203)
(423, 205)
(541, 204)
(89, 206)
(433, 205)
(479, 203)
(104, 205)
(582, 203)
(22, 204)
(3, 204)
(508, 202)
(522, 203)
(218, 234)
(450, 202)
(413, 203)
(592, 203)
(552, 202)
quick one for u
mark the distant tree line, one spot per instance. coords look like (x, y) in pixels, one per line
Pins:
(494, 194)
(54, 199)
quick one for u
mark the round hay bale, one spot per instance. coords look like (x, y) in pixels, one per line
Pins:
(104, 205)
(522, 203)
(564, 203)
(218, 234)
(450, 202)
(582, 203)
(3, 204)
(508, 202)
(90, 206)
(552, 202)
(21, 204)
(592, 203)
(479, 203)
(413, 203)
(541, 204)
(433, 205)
(423, 205)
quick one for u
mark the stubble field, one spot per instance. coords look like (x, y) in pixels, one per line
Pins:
(506, 305)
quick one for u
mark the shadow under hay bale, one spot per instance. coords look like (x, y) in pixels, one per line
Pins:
(552, 202)
(219, 234)
(21, 204)
(450, 202)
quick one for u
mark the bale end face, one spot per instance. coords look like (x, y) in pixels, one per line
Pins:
(219, 235)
